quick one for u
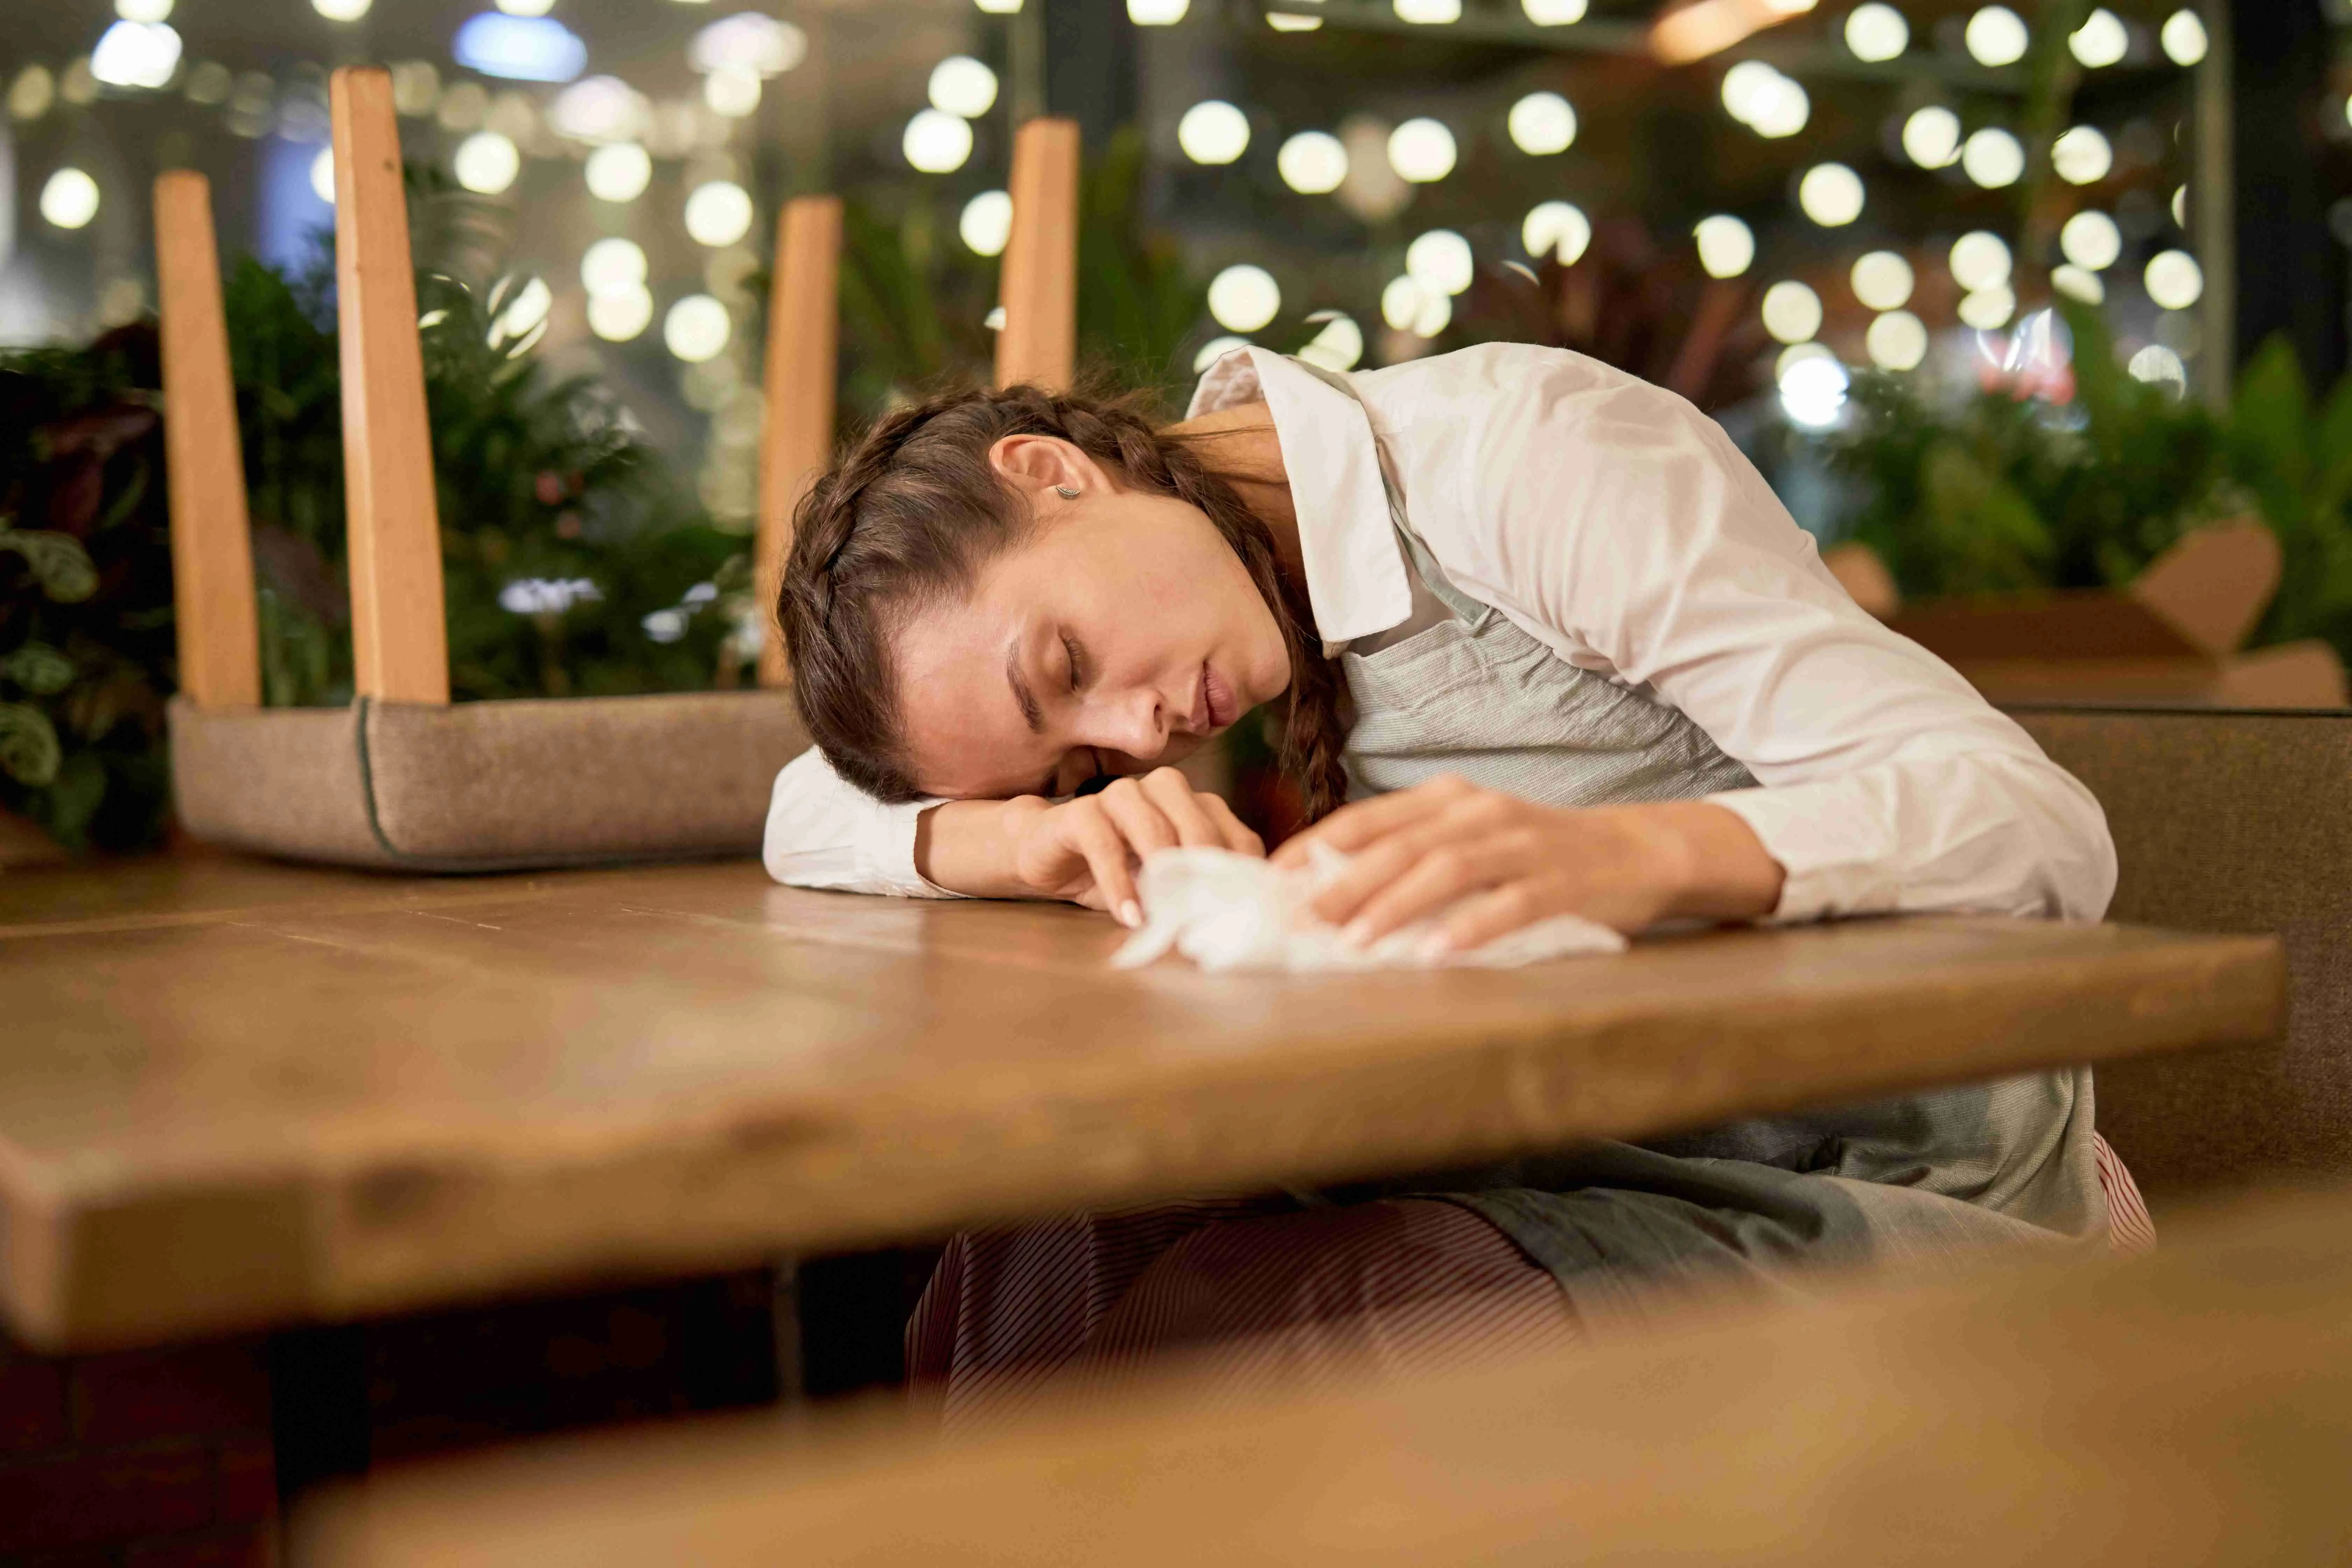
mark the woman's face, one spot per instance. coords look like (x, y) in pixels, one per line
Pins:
(1120, 635)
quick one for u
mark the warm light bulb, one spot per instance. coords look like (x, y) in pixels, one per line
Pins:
(1726, 247)
(1896, 341)
(1556, 229)
(69, 198)
(1214, 131)
(1996, 35)
(1882, 280)
(1441, 260)
(1312, 163)
(986, 223)
(487, 162)
(1792, 312)
(1831, 194)
(2090, 240)
(2082, 156)
(1243, 297)
(1876, 32)
(1542, 123)
(1421, 151)
(619, 172)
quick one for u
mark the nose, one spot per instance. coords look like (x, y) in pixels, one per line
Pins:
(1134, 722)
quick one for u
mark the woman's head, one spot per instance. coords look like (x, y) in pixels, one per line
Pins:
(998, 593)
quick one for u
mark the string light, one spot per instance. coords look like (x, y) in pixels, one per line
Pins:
(986, 223)
(1726, 247)
(1875, 32)
(143, 10)
(612, 266)
(1764, 100)
(2101, 40)
(1157, 13)
(2183, 37)
(323, 176)
(2082, 156)
(1813, 387)
(2158, 365)
(1000, 7)
(487, 162)
(1931, 137)
(1429, 13)
(69, 198)
(1882, 280)
(2090, 240)
(1338, 345)
(1542, 123)
(1987, 309)
(1408, 307)
(619, 172)
(1214, 131)
(1557, 229)
(1896, 341)
(1243, 297)
(1441, 260)
(340, 10)
(1831, 194)
(732, 92)
(2077, 283)
(747, 41)
(962, 86)
(1979, 260)
(1553, 13)
(1792, 312)
(1312, 163)
(718, 212)
(1996, 35)
(1215, 350)
(697, 329)
(1421, 151)
(597, 109)
(1291, 22)
(2174, 279)
(937, 142)
(2181, 207)
(1993, 158)
(136, 54)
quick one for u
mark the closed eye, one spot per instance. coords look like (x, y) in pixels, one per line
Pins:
(1071, 652)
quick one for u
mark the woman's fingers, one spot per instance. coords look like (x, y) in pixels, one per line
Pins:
(1173, 793)
(1104, 849)
(1479, 921)
(1139, 818)
(1436, 880)
(1352, 827)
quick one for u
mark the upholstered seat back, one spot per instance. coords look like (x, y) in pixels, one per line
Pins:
(2229, 821)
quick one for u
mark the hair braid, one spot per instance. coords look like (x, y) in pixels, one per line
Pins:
(913, 510)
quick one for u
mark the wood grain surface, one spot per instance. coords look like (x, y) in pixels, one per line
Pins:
(235, 1094)
(400, 637)
(804, 327)
(212, 543)
(2194, 1408)
(1038, 285)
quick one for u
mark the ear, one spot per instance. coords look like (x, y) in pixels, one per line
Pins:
(1037, 465)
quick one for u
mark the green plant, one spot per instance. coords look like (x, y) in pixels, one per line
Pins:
(86, 655)
(2007, 489)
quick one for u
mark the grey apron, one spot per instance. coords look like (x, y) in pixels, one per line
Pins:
(1916, 1180)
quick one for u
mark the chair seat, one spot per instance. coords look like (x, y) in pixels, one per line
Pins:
(487, 786)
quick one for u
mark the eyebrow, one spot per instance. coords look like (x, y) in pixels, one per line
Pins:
(1021, 693)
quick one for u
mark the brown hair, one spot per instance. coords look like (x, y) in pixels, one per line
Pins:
(911, 514)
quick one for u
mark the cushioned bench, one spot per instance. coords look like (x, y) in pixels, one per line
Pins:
(2229, 822)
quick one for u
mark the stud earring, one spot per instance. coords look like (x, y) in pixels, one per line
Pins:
(1067, 493)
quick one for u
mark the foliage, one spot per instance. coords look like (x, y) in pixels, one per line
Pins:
(2001, 492)
(86, 655)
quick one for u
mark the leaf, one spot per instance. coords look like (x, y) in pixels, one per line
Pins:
(1995, 539)
(57, 561)
(38, 668)
(2270, 429)
(29, 752)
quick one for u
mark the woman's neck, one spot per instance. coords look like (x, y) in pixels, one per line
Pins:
(1238, 445)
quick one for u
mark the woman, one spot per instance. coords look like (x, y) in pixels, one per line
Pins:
(1594, 667)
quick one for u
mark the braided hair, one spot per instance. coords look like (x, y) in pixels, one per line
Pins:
(913, 512)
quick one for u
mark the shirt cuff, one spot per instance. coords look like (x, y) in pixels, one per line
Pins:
(899, 858)
(1833, 857)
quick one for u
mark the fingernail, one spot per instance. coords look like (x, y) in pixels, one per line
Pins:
(1359, 932)
(1130, 914)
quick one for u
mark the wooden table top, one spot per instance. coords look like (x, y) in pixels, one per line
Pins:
(2190, 1409)
(235, 1094)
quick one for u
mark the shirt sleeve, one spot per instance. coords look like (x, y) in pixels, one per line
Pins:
(1621, 525)
(824, 833)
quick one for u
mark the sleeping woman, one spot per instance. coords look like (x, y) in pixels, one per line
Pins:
(1548, 644)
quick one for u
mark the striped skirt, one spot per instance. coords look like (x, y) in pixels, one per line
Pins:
(1251, 1293)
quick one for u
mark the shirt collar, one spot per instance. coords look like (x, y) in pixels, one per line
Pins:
(1356, 581)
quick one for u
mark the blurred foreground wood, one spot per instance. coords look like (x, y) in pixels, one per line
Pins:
(2194, 1408)
(240, 1095)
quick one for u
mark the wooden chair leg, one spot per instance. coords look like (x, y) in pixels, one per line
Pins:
(1039, 287)
(400, 643)
(212, 543)
(803, 316)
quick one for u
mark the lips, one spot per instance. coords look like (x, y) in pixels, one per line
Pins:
(1218, 697)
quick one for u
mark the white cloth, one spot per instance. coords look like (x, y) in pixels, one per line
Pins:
(1224, 910)
(1619, 526)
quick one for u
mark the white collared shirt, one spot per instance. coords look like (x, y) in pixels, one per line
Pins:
(1619, 526)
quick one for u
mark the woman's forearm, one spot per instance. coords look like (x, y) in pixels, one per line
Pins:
(1720, 869)
(968, 847)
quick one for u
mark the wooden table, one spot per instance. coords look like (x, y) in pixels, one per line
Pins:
(236, 1095)
(2194, 1409)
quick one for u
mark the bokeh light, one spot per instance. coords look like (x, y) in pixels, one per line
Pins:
(1421, 151)
(1993, 158)
(2082, 155)
(323, 176)
(69, 198)
(1896, 341)
(1542, 123)
(1337, 345)
(1931, 137)
(962, 86)
(1313, 162)
(1215, 350)
(1996, 35)
(1553, 13)
(1441, 260)
(2090, 240)
(487, 162)
(1557, 229)
(1987, 309)
(612, 266)
(2078, 283)
(697, 329)
(1792, 312)
(1831, 194)
(2184, 38)
(1980, 259)
(937, 142)
(1726, 247)
(2174, 279)
(1882, 280)
(2101, 39)
(986, 223)
(619, 172)
(719, 211)
(1214, 131)
(1875, 32)
(1243, 297)
(1812, 389)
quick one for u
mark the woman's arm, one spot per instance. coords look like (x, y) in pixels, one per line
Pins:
(822, 833)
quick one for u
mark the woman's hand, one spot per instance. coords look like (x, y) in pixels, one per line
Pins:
(1499, 863)
(1088, 849)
